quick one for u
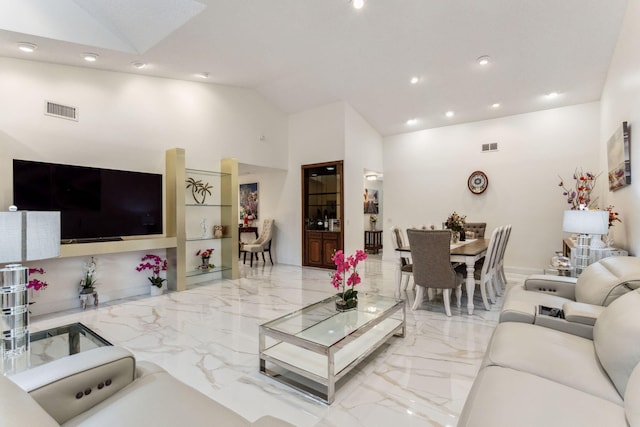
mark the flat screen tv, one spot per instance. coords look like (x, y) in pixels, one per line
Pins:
(95, 204)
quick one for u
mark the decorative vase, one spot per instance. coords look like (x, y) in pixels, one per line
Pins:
(205, 263)
(463, 235)
(455, 237)
(348, 303)
(608, 239)
(154, 291)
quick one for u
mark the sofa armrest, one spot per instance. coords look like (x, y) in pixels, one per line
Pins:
(69, 386)
(579, 312)
(555, 285)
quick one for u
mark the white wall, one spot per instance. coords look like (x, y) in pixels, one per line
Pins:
(331, 132)
(270, 194)
(425, 176)
(363, 150)
(621, 102)
(315, 136)
(126, 121)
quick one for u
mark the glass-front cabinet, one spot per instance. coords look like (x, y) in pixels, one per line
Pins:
(322, 213)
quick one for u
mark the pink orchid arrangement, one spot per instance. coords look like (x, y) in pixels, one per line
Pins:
(156, 265)
(347, 267)
(205, 253)
(36, 284)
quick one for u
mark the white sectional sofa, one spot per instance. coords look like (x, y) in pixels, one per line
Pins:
(580, 300)
(538, 376)
(106, 387)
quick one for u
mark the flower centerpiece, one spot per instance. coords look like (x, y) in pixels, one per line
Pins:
(156, 265)
(579, 197)
(88, 283)
(36, 284)
(455, 222)
(205, 255)
(348, 297)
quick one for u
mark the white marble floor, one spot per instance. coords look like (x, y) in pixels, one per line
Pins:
(207, 336)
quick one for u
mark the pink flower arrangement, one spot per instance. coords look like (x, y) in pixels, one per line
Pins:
(205, 253)
(156, 265)
(347, 267)
(36, 284)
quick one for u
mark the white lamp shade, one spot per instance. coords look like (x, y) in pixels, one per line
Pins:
(585, 222)
(29, 236)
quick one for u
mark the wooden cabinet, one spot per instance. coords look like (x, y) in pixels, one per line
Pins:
(322, 216)
(321, 245)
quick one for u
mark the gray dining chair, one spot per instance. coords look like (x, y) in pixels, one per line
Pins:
(477, 228)
(432, 268)
(406, 268)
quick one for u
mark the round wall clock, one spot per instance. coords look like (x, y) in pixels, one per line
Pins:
(477, 182)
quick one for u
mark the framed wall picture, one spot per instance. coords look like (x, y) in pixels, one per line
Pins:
(618, 158)
(249, 201)
(370, 201)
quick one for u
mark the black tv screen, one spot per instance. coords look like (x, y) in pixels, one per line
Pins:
(94, 203)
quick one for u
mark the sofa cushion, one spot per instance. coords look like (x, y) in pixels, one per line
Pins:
(503, 397)
(616, 337)
(603, 282)
(557, 356)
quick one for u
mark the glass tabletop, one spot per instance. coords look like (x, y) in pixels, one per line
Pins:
(54, 343)
(320, 323)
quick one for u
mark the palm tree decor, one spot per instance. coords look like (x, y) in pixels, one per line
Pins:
(199, 187)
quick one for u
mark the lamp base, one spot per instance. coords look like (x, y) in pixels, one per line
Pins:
(583, 253)
(596, 242)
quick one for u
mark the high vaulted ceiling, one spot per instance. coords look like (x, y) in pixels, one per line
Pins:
(302, 54)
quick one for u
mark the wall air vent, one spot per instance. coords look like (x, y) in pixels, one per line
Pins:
(61, 111)
(489, 147)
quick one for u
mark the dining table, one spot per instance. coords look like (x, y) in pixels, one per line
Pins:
(467, 252)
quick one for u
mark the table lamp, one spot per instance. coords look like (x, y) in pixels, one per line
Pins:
(584, 223)
(26, 236)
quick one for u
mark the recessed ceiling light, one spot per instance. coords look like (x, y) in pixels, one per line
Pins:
(138, 65)
(412, 122)
(414, 80)
(483, 60)
(27, 47)
(449, 114)
(90, 57)
(552, 95)
(495, 105)
(357, 4)
(204, 75)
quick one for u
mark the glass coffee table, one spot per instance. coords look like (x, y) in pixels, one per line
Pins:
(312, 348)
(53, 343)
